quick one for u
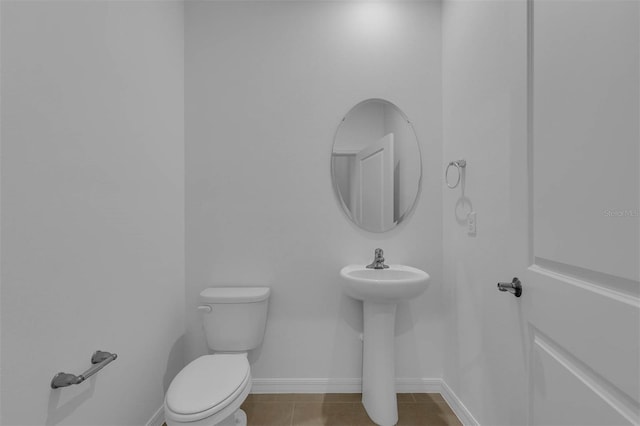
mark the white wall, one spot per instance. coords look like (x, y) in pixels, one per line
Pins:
(484, 116)
(92, 207)
(267, 84)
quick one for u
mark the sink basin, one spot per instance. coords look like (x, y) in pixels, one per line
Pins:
(395, 284)
(380, 291)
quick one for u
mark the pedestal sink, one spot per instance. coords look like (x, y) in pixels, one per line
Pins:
(380, 290)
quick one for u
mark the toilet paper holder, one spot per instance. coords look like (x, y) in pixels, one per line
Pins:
(99, 359)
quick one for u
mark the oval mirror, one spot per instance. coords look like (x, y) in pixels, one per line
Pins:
(376, 165)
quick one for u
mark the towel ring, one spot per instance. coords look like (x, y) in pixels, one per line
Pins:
(459, 164)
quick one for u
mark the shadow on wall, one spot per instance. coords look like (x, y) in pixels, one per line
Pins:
(348, 328)
(254, 354)
(56, 413)
(463, 204)
(175, 362)
(405, 322)
(351, 313)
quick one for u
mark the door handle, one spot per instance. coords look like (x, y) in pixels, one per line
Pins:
(514, 287)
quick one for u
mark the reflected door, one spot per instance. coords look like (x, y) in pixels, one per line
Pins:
(372, 192)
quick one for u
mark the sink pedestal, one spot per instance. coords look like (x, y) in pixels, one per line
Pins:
(380, 290)
(378, 364)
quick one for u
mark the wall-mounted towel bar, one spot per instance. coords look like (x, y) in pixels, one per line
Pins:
(99, 360)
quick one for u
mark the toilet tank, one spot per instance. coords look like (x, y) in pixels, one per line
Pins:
(237, 318)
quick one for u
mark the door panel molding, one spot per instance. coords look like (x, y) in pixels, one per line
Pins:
(617, 288)
(618, 400)
(592, 324)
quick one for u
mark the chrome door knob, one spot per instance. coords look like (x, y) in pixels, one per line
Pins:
(514, 287)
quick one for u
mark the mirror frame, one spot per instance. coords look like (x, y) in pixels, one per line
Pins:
(347, 212)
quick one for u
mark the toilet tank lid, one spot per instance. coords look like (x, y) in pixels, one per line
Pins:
(234, 294)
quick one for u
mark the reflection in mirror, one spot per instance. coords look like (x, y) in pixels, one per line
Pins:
(376, 165)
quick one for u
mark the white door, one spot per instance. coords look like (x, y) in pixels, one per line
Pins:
(577, 213)
(373, 185)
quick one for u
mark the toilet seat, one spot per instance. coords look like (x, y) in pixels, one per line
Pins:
(208, 387)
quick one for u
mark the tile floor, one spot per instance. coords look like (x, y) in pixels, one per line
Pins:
(342, 409)
(419, 409)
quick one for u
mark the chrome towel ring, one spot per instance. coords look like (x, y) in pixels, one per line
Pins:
(459, 164)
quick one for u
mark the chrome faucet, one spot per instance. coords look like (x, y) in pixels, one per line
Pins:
(378, 260)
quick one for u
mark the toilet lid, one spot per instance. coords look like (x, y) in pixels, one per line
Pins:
(206, 382)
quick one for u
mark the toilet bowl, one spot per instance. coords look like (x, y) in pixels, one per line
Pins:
(210, 390)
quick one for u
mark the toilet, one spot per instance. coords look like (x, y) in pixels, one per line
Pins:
(210, 390)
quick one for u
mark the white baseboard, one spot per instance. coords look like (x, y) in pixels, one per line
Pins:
(351, 385)
(157, 419)
(424, 385)
(306, 385)
(459, 409)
